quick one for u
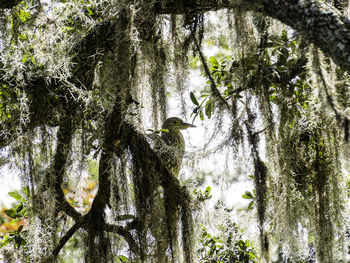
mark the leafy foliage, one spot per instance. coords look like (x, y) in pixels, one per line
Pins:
(202, 196)
(70, 74)
(283, 75)
(303, 141)
(230, 247)
(17, 215)
(250, 196)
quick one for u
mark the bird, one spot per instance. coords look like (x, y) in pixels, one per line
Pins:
(172, 147)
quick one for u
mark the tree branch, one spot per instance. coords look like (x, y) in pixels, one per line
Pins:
(112, 131)
(121, 77)
(64, 139)
(193, 7)
(214, 89)
(65, 238)
(126, 235)
(319, 22)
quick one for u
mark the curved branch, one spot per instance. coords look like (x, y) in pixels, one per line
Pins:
(140, 142)
(126, 235)
(68, 209)
(64, 142)
(65, 238)
(213, 86)
(114, 121)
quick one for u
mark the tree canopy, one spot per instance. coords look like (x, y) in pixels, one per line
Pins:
(82, 81)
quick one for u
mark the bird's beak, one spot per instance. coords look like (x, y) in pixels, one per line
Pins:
(189, 125)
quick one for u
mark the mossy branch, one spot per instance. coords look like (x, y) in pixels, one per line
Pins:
(65, 238)
(333, 39)
(316, 20)
(64, 142)
(260, 182)
(214, 89)
(126, 235)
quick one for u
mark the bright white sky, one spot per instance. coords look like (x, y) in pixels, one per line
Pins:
(8, 182)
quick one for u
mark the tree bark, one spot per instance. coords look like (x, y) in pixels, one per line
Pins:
(320, 23)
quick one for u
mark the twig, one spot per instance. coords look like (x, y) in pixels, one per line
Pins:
(213, 86)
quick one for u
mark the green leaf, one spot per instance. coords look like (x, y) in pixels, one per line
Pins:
(193, 98)
(6, 241)
(19, 207)
(209, 108)
(250, 206)
(248, 195)
(251, 255)
(68, 28)
(214, 62)
(19, 229)
(26, 190)
(284, 36)
(12, 213)
(17, 196)
(23, 212)
(201, 115)
(90, 12)
(23, 15)
(121, 259)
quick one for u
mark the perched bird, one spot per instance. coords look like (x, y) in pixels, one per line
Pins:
(172, 147)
